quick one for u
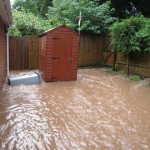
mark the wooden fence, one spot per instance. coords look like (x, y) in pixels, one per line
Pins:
(23, 53)
(90, 50)
(93, 51)
(139, 64)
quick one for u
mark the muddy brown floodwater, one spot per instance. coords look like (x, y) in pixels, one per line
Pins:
(98, 111)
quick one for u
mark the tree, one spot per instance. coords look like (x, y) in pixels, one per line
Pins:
(131, 36)
(95, 18)
(37, 7)
(44, 7)
(27, 5)
(124, 8)
(25, 23)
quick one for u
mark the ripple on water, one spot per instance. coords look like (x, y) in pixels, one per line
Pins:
(98, 111)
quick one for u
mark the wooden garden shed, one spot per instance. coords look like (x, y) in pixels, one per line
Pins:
(58, 54)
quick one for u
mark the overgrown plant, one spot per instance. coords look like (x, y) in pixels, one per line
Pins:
(131, 35)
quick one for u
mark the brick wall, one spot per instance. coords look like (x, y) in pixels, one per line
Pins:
(2, 53)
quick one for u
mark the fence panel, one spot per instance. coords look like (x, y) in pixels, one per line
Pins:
(18, 53)
(90, 50)
(33, 52)
(139, 64)
(23, 53)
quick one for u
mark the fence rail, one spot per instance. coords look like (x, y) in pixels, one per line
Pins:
(138, 64)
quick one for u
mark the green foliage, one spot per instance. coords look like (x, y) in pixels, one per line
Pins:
(37, 7)
(121, 72)
(96, 18)
(144, 35)
(27, 5)
(131, 35)
(135, 77)
(26, 23)
(45, 4)
(31, 17)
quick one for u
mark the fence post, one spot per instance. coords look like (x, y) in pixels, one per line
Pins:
(114, 62)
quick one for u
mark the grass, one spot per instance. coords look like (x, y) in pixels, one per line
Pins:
(131, 77)
(135, 77)
(121, 72)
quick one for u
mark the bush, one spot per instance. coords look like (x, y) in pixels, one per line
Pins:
(144, 35)
(25, 23)
(131, 35)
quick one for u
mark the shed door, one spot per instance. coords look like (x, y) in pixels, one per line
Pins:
(62, 57)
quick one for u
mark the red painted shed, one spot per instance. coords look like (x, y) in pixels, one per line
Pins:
(58, 54)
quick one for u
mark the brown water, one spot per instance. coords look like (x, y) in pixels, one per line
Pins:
(98, 111)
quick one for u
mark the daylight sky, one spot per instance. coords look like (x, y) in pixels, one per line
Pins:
(11, 1)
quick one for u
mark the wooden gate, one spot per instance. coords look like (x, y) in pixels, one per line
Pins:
(108, 53)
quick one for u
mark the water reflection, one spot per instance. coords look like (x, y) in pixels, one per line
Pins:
(99, 111)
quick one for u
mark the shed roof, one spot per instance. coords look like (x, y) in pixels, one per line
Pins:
(56, 28)
(5, 11)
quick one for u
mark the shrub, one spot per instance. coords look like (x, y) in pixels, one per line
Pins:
(130, 36)
(135, 78)
(25, 23)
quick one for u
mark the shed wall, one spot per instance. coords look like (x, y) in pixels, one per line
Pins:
(49, 55)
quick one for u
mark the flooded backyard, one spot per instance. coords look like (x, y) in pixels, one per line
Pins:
(98, 111)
